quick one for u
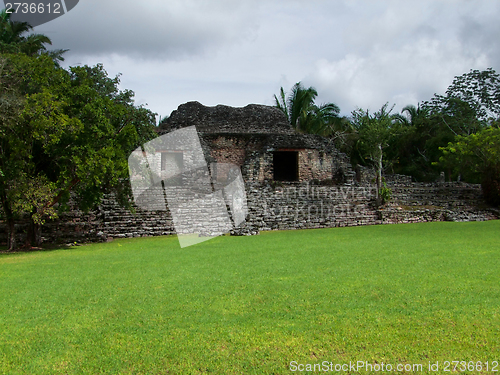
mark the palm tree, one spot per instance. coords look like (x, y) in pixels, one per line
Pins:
(13, 39)
(303, 114)
(411, 115)
(281, 103)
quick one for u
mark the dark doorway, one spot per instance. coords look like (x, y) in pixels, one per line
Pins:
(286, 165)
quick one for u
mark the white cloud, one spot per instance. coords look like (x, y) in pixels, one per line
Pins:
(152, 29)
(405, 76)
(355, 52)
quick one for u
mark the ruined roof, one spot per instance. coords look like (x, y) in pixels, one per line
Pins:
(276, 142)
(252, 119)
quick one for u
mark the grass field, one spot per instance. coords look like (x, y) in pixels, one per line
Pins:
(397, 294)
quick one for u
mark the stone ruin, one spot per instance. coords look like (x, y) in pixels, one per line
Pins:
(259, 140)
(292, 181)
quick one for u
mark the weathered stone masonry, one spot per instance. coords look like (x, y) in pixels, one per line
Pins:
(292, 181)
(289, 205)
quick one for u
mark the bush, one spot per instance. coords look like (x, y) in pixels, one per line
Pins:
(385, 194)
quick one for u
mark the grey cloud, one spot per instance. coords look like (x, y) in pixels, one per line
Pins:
(173, 29)
(481, 36)
(355, 52)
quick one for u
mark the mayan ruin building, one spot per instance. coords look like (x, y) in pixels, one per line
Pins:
(291, 180)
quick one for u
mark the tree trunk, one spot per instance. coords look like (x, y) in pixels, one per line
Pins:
(379, 173)
(34, 234)
(11, 226)
(11, 235)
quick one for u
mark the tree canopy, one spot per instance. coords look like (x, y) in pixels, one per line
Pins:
(477, 157)
(62, 131)
(14, 39)
(304, 114)
(375, 132)
(476, 92)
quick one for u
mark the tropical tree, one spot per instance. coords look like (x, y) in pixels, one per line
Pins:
(414, 151)
(479, 156)
(63, 132)
(476, 92)
(469, 105)
(304, 115)
(375, 132)
(31, 120)
(13, 39)
(281, 103)
(413, 116)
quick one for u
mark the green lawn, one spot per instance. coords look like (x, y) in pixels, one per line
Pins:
(414, 293)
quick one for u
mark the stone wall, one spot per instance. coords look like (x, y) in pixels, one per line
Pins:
(287, 205)
(306, 205)
(291, 205)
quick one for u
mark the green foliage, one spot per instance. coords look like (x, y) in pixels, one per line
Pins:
(33, 195)
(476, 152)
(64, 131)
(14, 40)
(32, 120)
(471, 103)
(374, 129)
(375, 132)
(304, 115)
(455, 115)
(477, 156)
(415, 151)
(476, 93)
(282, 104)
(385, 193)
(409, 293)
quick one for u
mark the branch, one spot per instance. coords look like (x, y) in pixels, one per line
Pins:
(449, 127)
(425, 157)
(71, 185)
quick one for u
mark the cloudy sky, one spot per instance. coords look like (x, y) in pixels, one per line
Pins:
(356, 53)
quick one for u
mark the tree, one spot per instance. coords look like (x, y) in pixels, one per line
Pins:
(478, 155)
(413, 116)
(456, 115)
(304, 115)
(72, 134)
(14, 40)
(375, 132)
(414, 150)
(479, 89)
(471, 103)
(30, 119)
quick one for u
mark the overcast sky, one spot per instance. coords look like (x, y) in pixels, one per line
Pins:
(356, 53)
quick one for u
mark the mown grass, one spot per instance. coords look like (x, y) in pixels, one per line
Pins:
(251, 305)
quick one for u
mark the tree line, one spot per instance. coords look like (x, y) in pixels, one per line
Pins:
(457, 133)
(62, 132)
